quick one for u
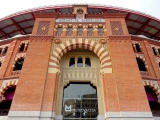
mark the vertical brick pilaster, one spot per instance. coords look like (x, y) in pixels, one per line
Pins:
(29, 91)
(50, 92)
(110, 93)
(128, 82)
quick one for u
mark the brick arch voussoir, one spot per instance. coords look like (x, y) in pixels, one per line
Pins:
(153, 87)
(7, 85)
(75, 43)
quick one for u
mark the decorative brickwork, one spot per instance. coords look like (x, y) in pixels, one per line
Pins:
(43, 28)
(119, 38)
(59, 40)
(41, 38)
(116, 28)
(141, 56)
(5, 87)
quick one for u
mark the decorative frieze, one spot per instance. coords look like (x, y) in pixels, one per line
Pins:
(58, 41)
(119, 38)
(80, 20)
(80, 74)
(41, 38)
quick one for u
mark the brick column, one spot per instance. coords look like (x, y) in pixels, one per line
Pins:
(50, 96)
(30, 92)
(124, 91)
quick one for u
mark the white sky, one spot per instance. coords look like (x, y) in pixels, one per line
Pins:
(151, 7)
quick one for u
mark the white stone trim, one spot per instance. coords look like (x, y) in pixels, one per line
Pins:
(24, 113)
(129, 115)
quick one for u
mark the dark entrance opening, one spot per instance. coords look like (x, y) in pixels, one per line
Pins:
(6, 104)
(153, 102)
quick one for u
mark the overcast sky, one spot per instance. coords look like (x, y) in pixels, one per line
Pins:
(151, 7)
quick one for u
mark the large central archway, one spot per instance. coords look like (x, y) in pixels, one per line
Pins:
(91, 45)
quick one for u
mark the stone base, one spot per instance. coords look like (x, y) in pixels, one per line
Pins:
(128, 116)
(37, 115)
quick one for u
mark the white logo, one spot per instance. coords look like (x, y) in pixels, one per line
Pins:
(68, 108)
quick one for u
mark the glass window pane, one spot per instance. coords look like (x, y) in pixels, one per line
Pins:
(72, 62)
(87, 62)
(80, 62)
(80, 101)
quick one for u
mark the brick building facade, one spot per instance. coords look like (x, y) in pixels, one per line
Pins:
(79, 62)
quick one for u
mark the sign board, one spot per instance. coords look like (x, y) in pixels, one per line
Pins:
(80, 20)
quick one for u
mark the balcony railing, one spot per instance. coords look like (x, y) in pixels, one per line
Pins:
(59, 33)
(79, 33)
(100, 33)
(69, 33)
(90, 33)
(144, 74)
(4, 112)
(15, 73)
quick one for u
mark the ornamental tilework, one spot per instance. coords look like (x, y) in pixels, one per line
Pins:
(116, 28)
(43, 28)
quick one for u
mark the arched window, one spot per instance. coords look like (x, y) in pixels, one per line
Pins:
(18, 64)
(87, 62)
(154, 51)
(72, 62)
(141, 65)
(138, 47)
(21, 49)
(77, 98)
(5, 50)
(80, 62)
(6, 104)
(153, 101)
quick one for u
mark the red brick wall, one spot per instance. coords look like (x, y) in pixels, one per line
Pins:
(50, 93)
(29, 91)
(33, 77)
(124, 88)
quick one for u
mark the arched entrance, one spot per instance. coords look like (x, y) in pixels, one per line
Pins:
(6, 103)
(153, 102)
(81, 67)
(80, 101)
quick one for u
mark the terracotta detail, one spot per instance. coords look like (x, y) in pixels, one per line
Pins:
(103, 41)
(57, 41)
